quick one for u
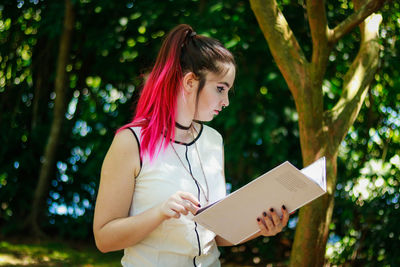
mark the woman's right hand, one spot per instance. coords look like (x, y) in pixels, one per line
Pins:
(179, 203)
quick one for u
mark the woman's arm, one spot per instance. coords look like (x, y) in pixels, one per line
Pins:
(113, 228)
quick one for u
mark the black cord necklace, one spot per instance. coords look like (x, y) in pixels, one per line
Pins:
(180, 126)
(207, 191)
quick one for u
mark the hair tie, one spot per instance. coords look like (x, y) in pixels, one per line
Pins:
(189, 34)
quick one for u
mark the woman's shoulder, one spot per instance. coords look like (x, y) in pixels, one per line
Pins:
(125, 139)
(212, 133)
(135, 127)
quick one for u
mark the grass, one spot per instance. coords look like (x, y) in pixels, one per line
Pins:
(52, 253)
(25, 252)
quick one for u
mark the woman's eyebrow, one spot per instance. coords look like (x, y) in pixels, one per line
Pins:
(226, 84)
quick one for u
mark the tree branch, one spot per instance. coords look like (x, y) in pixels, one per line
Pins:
(355, 19)
(312, 99)
(283, 44)
(50, 150)
(357, 80)
(319, 29)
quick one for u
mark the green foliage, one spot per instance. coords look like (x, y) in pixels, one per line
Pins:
(55, 254)
(116, 42)
(364, 229)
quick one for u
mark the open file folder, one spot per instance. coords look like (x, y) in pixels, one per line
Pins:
(234, 217)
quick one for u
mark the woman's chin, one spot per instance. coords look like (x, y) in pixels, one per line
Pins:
(205, 118)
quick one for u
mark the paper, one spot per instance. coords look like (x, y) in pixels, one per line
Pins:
(234, 217)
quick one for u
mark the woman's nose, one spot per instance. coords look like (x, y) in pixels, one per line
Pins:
(225, 102)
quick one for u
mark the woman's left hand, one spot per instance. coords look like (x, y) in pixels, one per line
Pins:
(270, 224)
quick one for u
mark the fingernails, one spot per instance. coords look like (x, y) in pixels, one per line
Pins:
(199, 205)
(265, 214)
(283, 207)
(258, 219)
(271, 209)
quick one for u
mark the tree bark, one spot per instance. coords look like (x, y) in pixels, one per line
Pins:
(42, 65)
(321, 131)
(48, 160)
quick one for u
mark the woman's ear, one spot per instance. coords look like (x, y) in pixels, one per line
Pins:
(190, 82)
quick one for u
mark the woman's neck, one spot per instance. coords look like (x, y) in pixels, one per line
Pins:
(182, 127)
(187, 136)
(185, 113)
(183, 119)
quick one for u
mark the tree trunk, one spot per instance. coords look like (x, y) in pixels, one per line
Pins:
(58, 117)
(321, 132)
(42, 66)
(313, 227)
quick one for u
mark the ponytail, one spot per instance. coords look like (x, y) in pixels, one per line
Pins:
(181, 51)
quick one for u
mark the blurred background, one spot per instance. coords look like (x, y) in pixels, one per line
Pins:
(65, 90)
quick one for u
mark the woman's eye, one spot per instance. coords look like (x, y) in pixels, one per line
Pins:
(220, 89)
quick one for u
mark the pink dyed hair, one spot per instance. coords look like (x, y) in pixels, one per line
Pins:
(181, 51)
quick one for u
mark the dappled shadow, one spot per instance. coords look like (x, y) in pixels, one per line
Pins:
(54, 254)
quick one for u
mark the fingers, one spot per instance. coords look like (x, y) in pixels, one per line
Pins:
(187, 206)
(271, 224)
(275, 218)
(179, 207)
(263, 228)
(189, 197)
(179, 203)
(189, 202)
(268, 222)
(266, 225)
(170, 213)
(285, 215)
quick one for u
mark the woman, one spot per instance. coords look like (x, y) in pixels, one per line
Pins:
(165, 164)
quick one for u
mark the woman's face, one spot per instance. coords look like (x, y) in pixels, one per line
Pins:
(214, 95)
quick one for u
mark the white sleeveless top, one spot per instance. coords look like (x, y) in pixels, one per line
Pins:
(178, 242)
